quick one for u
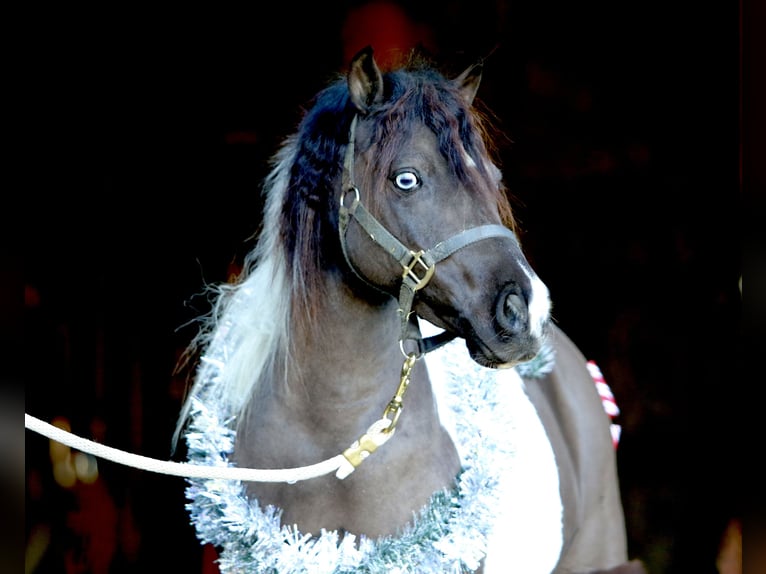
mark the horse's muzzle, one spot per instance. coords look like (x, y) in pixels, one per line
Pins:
(518, 330)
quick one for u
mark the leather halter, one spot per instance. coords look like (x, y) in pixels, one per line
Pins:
(418, 266)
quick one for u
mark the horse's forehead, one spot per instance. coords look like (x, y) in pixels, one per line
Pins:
(418, 139)
(425, 141)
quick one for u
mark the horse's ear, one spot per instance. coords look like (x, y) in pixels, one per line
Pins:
(468, 82)
(365, 82)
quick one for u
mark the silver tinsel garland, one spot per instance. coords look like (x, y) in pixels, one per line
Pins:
(449, 535)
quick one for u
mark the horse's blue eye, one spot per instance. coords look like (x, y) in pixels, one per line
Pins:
(406, 180)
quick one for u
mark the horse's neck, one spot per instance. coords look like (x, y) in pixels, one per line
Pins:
(341, 372)
(345, 373)
(348, 357)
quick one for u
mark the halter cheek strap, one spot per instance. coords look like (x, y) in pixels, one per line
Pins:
(417, 266)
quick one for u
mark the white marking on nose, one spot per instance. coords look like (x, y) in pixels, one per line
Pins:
(539, 302)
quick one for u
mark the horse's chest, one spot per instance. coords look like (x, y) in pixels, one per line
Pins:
(378, 499)
(506, 504)
(505, 430)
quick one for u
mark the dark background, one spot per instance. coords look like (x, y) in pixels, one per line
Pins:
(156, 127)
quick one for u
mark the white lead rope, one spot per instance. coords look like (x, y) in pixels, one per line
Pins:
(339, 464)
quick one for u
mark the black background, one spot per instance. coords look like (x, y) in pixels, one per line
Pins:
(154, 128)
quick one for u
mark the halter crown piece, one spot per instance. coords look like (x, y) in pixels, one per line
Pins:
(418, 266)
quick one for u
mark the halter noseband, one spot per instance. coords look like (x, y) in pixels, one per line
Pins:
(418, 266)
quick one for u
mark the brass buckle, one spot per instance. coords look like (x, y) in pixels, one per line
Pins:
(409, 272)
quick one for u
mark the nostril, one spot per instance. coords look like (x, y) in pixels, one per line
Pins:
(512, 311)
(513, 303)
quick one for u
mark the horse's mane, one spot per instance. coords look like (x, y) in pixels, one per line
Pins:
(280, 286)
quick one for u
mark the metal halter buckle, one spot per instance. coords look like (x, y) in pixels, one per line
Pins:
(409, 273)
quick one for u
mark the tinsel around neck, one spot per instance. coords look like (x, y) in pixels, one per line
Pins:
(448, 535)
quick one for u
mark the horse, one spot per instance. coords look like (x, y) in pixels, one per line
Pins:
(388, 277)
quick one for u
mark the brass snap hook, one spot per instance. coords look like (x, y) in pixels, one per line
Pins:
(394, 408)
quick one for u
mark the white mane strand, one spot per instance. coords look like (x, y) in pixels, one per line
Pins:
(249, 321)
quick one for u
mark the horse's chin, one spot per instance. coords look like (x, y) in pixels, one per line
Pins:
(499, 355)
(502, 358)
